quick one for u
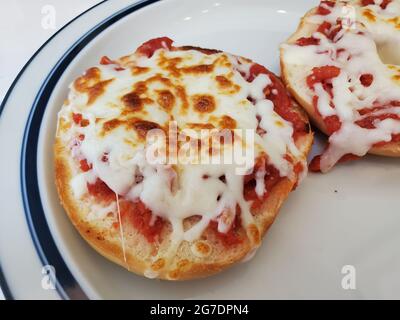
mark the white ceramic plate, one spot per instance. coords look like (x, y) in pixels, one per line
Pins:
(347, 217)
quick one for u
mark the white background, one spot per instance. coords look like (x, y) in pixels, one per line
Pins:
(22, 32)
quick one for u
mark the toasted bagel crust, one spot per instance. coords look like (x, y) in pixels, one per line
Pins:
(138, 251)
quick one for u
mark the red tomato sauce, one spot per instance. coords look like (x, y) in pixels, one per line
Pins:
(271, 178)
(101, 191)
(322, 8)
(78, 119)
(84, 165)
(135, 213)
(324, 27)
(368, 123)
(281, 100)
(322, 75)
(395, 138)
(315, 164)
(142, 219)
(148, 48)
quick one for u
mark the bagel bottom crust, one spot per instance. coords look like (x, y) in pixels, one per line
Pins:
(184, 264)
(390, 149)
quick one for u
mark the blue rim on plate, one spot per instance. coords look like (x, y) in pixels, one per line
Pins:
(66, 285)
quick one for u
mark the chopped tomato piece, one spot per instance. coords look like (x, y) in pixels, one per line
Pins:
(385, 3)
(106, 61)
(148, 48)
(322, 10)
(369, 121)
(77, 118)
(309, 41)
(276, 92)
(255, 70)
(104, 157)
(395, 138)
(271, 178)
(332, 124)
(367, 2)
(366, 79)
(84, 165)
(324, 27)
(315, 164)
(365, 111)
(320, 74)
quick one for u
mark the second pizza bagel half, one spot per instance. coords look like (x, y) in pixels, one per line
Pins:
(342, 66)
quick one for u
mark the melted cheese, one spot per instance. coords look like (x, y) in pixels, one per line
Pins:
(180, 86)
(360, 56)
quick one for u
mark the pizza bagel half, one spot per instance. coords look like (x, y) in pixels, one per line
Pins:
(184, 219)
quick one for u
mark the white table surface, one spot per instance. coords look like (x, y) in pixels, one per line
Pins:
(24, 26)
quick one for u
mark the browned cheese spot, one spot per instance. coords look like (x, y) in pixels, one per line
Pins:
(170, 64)
(200, 126)
(396, 77)
(203, 103)
(158, 264)
(140, 87)
(91, 84)
(142, 127)
(367, 13)
(223, 82)
(203, 248)
(111, 124)
(183, 264)
(136, 70)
